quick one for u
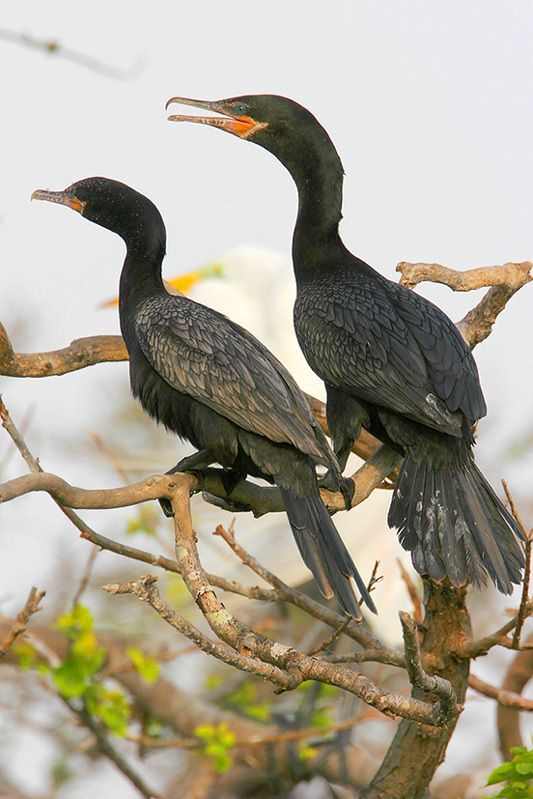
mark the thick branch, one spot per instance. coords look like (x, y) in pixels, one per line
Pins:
(80, 353)
(419, 679)
(505, 280)
(513, 275)
(416, 751)
(246, 495)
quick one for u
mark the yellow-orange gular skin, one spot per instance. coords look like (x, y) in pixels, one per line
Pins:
(239, 124)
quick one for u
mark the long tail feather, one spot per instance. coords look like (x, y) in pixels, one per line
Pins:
(454, 525)
(323, 551)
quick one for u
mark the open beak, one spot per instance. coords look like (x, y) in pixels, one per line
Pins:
(60, 197)
(242, 126)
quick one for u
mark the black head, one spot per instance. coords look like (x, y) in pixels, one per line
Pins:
(285, 128)
(112, 205)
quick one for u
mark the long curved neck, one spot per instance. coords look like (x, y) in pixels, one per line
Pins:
(141, 274)
(318, 174)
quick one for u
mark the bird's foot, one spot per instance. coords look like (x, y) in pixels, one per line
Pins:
(329, 481)
(194, 464)
(230, 478)
(347, 489)
(345, 485)
(225, 504)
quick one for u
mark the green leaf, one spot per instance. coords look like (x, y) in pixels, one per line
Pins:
(512, 773)
(26, 654)
(153, 728)
(69, 679)
(219, 741)
(110, 706)
(78, 621)
(321, 719)
(259, 711)
(147, 666)
(306, 752)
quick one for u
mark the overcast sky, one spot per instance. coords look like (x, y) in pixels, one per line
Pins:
(429, 106)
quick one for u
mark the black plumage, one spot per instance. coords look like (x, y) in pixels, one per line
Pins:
(391, 361)
(212, 383)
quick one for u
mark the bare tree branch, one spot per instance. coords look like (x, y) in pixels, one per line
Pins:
(519, 673)
(502, 697)
(294, 666)
(505, 280)
(302, 601)
(522, 611)
(19, 625)
(53, 47)
(473, 649)
(419, 678)
(438, 665)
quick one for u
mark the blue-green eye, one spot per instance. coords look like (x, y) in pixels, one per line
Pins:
(240, 110)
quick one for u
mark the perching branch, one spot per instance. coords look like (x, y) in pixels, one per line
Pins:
(245, 496)
(505, 280)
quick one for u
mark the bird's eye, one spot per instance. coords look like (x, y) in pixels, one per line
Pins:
(240, 110)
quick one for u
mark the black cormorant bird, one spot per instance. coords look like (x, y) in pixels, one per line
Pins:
(211, 382)
(391, 361)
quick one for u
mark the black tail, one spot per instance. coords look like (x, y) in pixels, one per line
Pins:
(324, 552)
(455, 526)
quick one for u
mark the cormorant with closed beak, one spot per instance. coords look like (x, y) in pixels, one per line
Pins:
(211, 382)
(391, 360)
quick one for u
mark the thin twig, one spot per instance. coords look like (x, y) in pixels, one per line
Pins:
(374, 579)
(503, 697)
(19, 626)
(413, 593)
(324, 644)
(85, 576)
(316, 735)
(354, 629)
(499, 638)
(53, 47)
(522, 610)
